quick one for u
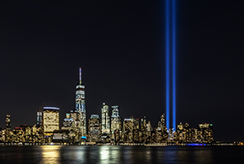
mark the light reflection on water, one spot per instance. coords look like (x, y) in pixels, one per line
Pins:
(116, 154)
(148, 155)
(104, 154)
(50, 154)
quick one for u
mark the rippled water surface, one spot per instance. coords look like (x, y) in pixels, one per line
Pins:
(119, 154)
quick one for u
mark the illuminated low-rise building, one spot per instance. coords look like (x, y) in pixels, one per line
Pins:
(68, 123)
(25, 134)
(118, 136)
(184, 133)
(61, 136)
(206, 133)
(2, 135)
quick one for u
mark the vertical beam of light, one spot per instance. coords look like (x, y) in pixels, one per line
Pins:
(80, 75)
(167, 41)
(174, 64)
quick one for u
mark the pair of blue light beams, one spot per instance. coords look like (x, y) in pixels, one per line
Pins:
(170, 9)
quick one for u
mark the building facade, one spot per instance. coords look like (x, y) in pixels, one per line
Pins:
(80, 105)
(115, 120)
(39, 117)
(68, 123)
(8, 122)
(105, 119)
(94, 130)
(50, 119)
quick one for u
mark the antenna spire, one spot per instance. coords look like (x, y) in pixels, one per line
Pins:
(80, 75)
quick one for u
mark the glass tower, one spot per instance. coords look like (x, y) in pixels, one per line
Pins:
(80, 105)
(115, 120)
(105, 119)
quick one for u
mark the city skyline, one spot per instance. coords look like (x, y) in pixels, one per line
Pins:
(110, 129)
(105, 114)
(120, 47)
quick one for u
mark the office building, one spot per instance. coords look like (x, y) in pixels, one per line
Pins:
(68, 123)
(39, 117)
(105, 120)
(8, 122)
(115, 120)
(130, 128)
(80, 105)
(50, 120)
(206, 133)
(94, 129)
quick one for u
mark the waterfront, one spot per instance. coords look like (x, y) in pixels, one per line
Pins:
(120, 154)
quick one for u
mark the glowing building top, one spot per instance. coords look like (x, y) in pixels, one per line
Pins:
(115, 111)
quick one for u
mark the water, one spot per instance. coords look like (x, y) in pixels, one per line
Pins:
(120, 154)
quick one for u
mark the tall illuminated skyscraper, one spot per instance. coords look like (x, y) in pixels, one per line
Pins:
(105, 119)
(115, 120)
(80, 105)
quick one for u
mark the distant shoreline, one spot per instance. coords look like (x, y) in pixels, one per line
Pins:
(123, 144)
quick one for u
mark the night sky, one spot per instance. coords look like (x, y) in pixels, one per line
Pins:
(121, 48)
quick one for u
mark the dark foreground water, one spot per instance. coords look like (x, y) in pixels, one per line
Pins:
(120, 154)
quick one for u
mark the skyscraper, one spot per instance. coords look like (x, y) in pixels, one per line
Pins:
(94, 130)
(50, 120)
(105, 119)
(80, 105)
(130, 125)
(39, 117)
(8, 123)
(115, 120)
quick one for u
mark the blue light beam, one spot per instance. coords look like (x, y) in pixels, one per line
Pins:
(170, 50)
(167, 41)
(174, 63)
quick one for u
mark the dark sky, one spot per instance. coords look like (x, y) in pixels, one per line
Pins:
(120, 47)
